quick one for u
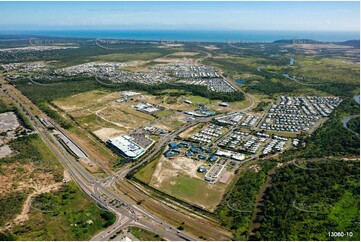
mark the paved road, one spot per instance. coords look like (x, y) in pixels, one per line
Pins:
(247, 95)
(346, 120)
(85, 181)
(96, 190)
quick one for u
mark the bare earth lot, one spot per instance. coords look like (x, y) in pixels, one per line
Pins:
(99, 112)
(179, 178)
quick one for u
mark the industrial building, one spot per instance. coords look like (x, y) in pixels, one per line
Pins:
(126, 146)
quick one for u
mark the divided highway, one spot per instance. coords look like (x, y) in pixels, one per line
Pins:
(126, 214)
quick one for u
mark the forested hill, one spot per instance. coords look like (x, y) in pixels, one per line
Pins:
(355, 43)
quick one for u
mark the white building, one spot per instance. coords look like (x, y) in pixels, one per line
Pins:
(126, 146)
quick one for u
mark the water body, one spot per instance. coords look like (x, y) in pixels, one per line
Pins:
(241, 82)
(193, 35)
(357, 98)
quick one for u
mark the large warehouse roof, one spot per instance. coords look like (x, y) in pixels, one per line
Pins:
(126, 146)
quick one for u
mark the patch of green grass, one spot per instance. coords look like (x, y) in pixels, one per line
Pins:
(155, 137)
(10, 205)
(239, 105)
(198, 99)
(334, 69)
(43, 150)
(175, 123)
(145, 235)
(194, 191)
(32, 149)
(83, 99)
(125, 57)
(173, 91)
(93, 122)
(163, 113)
(4, 107)
(145, 174)
(71, 216)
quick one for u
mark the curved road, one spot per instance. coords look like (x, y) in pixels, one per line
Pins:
(346, 120)
(83, 178)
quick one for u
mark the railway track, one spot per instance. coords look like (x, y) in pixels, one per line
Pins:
(206, 229)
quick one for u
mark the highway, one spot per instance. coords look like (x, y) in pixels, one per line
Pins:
(89, 184)
(150, 154)
(118, 179)
(127, 214)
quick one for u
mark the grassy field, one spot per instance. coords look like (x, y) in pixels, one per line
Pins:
(283, 134)
(35, 167)
(85, 99)
(145, 235)
(10, 205)
(334, 69)
(194, 191)
(102, 114)
(145, 174)
(125, 57)
(163, 113)
(31, 150)
(48, 158)
(93, 122)
(4, 107)
(214, 104)
(72, 216)
(198, 99)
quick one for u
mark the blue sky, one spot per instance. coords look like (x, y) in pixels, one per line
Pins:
(326, 16)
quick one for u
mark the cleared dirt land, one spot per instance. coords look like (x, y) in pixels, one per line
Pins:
(99, 112)
(179, 178)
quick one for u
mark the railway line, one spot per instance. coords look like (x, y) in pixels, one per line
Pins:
(209, 230)
(117, 200)
(84, 180)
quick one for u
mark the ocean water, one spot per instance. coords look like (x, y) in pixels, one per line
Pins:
(195, 35)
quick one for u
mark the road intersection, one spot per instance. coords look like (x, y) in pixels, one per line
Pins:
(102, 191)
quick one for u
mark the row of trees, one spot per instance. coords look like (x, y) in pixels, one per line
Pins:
(193, 89)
